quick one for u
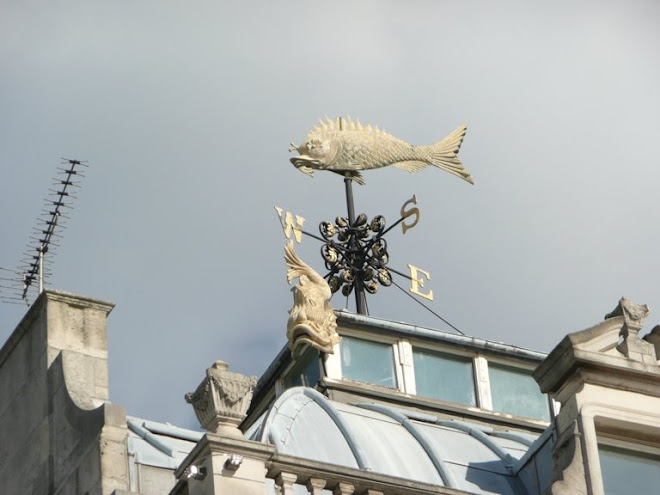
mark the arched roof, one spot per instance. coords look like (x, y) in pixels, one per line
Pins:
(383, 439)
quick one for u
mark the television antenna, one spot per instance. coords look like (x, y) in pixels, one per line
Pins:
(35, 266)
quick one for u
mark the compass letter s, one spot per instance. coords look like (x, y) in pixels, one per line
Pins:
(288, 225)
(409, 213)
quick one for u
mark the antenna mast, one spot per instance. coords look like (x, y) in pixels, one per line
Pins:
(34, 261)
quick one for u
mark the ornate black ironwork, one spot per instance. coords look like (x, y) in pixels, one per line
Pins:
(356, 254)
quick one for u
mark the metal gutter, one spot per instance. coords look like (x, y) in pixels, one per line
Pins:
(148, 437)
(345, 317)
(170, 430)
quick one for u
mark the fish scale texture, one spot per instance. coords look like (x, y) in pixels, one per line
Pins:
(364, 150)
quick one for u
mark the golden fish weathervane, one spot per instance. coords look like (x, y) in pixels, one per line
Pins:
(346, 147)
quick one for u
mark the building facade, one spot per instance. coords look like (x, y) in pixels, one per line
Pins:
(394, 409)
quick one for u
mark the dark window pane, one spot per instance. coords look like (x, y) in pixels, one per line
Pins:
(305, 372)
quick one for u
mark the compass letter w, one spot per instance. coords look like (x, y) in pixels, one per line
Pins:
(288, 224)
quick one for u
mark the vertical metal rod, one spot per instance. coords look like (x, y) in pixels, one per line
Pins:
(348, 182)
(360, 297)
(41, 270)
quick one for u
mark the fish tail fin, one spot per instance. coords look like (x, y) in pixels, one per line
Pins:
(444, 154)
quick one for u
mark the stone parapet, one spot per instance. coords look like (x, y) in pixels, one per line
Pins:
(262, 466)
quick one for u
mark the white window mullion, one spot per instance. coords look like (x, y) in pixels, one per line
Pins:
(398, 371)
(407, 368)
(483, 383)
(333, 363)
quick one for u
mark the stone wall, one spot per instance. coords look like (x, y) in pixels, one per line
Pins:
(59, 434)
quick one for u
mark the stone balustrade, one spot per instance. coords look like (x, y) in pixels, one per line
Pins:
(262, 470)
(295, 476)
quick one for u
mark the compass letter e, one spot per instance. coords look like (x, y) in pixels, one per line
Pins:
(288, 225)
(417, 277)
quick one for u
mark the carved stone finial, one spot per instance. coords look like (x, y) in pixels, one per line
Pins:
(311, 320)
(222, 399)
(633, 320)
(633, 314)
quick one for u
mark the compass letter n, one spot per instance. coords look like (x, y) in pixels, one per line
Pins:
(288, 225)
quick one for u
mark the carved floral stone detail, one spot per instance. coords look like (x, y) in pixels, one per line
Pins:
(222, 399)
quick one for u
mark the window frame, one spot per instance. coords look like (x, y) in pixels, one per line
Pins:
(523, 367)
(449, 351)
(612, 425)
(393, 342)
(402, 348)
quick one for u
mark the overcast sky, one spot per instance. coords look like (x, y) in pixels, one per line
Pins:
(185, 111)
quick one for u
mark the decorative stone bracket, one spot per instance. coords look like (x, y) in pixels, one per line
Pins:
(222, 399)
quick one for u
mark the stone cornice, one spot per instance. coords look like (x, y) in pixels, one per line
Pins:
(40, 303)
(77, 300)
(593, 356)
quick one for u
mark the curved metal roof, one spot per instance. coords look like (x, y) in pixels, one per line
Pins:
(420, 447)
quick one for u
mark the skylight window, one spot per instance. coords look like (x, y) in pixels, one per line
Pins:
(445, 377)
(514, 391)
(367, 361)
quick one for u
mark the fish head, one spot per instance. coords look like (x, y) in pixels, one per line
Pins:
(315, 153)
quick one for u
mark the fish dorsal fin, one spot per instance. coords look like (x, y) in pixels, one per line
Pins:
(347, 124)
(410, 166)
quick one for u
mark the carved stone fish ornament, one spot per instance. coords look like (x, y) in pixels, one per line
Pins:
(311, 320)
(346, 147)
